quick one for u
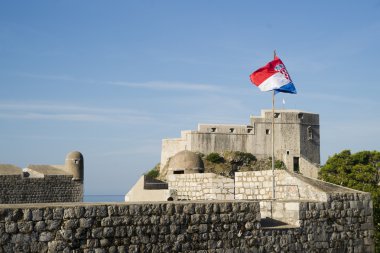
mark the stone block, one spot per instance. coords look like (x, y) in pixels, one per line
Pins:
(292, 206)
(45, 236)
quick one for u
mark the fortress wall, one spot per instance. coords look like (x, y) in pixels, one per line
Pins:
(282, 210)
(205, 186)
(50, 188)
(143, 227)
(170, 147)
(257, 185)
(308, 168)
(342, 224)
(292, 139)
(219, 142)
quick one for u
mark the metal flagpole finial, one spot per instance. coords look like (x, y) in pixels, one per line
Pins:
(274, 54)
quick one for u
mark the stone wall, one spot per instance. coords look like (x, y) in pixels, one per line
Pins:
(284, 211)
(343, 224)
(50, 188)
(204, 186)
(258, 185)
(163, 227)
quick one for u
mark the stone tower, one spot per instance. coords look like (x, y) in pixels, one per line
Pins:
(297, 139)
(74, 165)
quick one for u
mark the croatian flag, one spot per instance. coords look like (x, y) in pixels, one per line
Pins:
(273, 76)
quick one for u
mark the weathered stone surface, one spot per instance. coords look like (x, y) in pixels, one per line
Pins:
(187, 227)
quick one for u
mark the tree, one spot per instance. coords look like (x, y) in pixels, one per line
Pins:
(359, 171)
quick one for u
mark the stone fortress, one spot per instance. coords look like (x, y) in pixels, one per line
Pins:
(297, 141)
(194, 211)
(43, 183)
(318, 211)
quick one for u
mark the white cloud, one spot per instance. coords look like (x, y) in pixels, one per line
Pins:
(63, 112)
(159, 85)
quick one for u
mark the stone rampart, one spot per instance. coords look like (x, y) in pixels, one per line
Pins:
(343, 224)
(50, 188)
(203, 186)
(289, 186)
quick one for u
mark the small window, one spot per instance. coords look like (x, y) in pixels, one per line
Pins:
(232, 130)
(287, 152)
(296, 164)
(170, 199)
(249, 130)
(76, 161)
(300, 115)
(179, 172)
(212, 130)
(267, 131)
(309, 133)
(277, 115)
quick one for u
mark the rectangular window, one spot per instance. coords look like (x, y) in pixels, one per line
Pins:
(267, 131)
(309, 133)
(296, 164)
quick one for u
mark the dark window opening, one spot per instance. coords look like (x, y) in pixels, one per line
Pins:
(249, 130)
(267, 131)
(296, 164)
(232, 130)
(154, 184)
(213, 130)
(170, 199)
(309, 133)
(276, 115)
(179, 172)
(300, 115)
(287, 152)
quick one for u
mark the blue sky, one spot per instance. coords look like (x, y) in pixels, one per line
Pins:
(113, 78)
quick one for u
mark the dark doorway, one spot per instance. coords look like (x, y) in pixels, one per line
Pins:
(296, 164)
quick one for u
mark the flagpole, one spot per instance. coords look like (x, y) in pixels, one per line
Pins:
(273, 180)
(273, 177)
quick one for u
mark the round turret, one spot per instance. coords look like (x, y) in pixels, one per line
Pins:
(74, 165)
(185, 162)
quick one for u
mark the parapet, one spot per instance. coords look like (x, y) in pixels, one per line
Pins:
(286, 116)
(43, 183)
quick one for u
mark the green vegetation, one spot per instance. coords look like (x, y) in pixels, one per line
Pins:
(229, 162)
(155, 172)
(214, 158)
(358, 171)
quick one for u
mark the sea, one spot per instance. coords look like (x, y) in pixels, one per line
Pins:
(103, 198)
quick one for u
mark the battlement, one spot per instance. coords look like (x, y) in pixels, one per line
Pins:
(286, 117)
(43, 183)
(296, 134)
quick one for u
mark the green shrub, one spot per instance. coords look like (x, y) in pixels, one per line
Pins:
(214, 158)
(154, 173)
(280, 165)
(359, 171)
